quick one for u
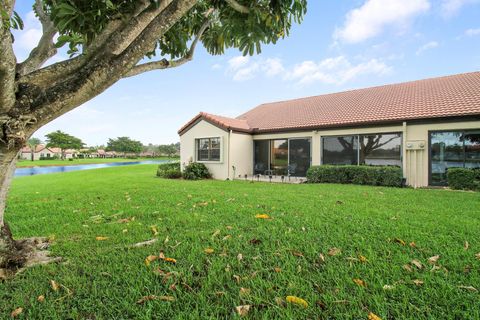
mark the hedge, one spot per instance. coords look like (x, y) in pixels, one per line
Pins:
(196, 171)
(463, 178)
(170, 170)
(390, 176)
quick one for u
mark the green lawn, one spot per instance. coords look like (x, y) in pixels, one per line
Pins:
(105, 279)
(42, 163)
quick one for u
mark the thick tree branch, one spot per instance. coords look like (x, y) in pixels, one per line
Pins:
(237, 6)
(7, 67)
(164, 63)
(45, 48)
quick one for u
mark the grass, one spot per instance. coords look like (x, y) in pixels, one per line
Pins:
(106, 279)
(44, 163)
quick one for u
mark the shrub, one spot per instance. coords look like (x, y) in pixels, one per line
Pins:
(390, 176)
(463, 178)
(169, 170)
(196, 171)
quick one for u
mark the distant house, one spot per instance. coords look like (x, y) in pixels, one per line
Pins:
(41, 151)
(424, 127)
(70, 153)
(110, 154)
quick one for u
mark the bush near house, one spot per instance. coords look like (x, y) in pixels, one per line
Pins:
(196, 171)
(169, 170)
(463, 178)
(390, 176)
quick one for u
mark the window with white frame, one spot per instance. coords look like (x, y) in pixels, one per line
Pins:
(208, 149)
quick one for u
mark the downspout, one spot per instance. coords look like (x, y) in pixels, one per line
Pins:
(404, 150)
(228, 155)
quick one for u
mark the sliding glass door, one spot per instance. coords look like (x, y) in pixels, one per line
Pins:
(452, 149)
(279, 156)
(299, 157)
(261, 156)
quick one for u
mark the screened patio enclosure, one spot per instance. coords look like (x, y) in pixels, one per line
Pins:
(282, 156)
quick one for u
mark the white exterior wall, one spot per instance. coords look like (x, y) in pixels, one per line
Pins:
(415, 160)
(203, 129)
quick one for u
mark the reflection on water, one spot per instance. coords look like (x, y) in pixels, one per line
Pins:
(55, 169)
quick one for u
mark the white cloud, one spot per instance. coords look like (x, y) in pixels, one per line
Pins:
(472, 32)
(374, 16)
(452, 7)
(427, 46)
(27, 39)
(338, 70)
(245, 68)
(273, 67)
(238, 62)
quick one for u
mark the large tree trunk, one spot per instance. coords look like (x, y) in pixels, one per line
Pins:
(8, 247)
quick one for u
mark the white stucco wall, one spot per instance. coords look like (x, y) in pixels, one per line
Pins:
(241, 154)
(203, 129)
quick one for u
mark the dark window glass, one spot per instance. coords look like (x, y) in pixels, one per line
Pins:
(279, 156)
(208, 149)
(261, 156)
(472, 149)
(299, 157)
(447, 151)
(381, 149)
(340, 150)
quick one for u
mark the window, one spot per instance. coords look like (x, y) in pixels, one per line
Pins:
(368, 149)
(452, 149)
(208, 149)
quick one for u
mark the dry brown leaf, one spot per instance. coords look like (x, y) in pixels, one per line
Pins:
(362, 259)
(417, 263)
(244, 291)
(149, 259)
(242, 311)
(100, 238)
(334, 251)
(321, 258)
(477, 255)
(229, 227)
(407, 267)
(262, 216)
(373, 316)
(297, 253)
(228, 236)
(54, 285)
(255, 241)
(412, 244)
(280, 302)
(15, 313)
(388, 287)
(469, 288)
(171, 260)
(41, 298)
(153, 297)
(400, 241)
(466, 245)
(296, 300)
(216, 233)
(277, 269)
(237, 278)
(417, 282)
(126, 220)
(360, 282)
(209, 251)
(239, 257)
(434, 259)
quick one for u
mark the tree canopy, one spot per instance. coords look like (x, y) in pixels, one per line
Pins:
(124, 145)
(63, 140)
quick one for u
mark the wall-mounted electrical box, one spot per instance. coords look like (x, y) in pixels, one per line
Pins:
(416, 145)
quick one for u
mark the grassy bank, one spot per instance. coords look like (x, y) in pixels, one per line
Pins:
(377, 233)
(58, 162)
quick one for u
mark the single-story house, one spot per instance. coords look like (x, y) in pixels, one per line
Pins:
(41, 151)
(424, 126)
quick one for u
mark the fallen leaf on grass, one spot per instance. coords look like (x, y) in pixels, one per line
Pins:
(477, 256)
(434, 259)
(154, 230)
(54, 285)
(149, 259)
(153, 297)
(417, 282)
(466, 245)
(417, 263)
(237, 278)
(171, 260)
(280, 302)
(469, 288)
(209, 251)
(321, 258)
(126, 220)
(262, 216)
(388, 287)
(228, 236)
(373, 316)
(297, 301)
(255, 241)
(407, 267)
(277, 269)
(400, 241)
(362, 259)
(297, 254)
(15, 313)
(101, 238)
(244, 291)
(239, 257)
(334, 251)
(243, 310)
(41, 298)
(360, 282)
(412, 244)
(216, 233)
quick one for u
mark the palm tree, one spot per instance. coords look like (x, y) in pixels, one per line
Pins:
(32, 144)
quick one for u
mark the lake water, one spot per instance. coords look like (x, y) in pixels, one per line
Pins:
(19, 172)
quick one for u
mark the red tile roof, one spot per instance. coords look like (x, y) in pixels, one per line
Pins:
(449, 96)
(223, 122)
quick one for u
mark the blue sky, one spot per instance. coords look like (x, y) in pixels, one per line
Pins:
(340, 45)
